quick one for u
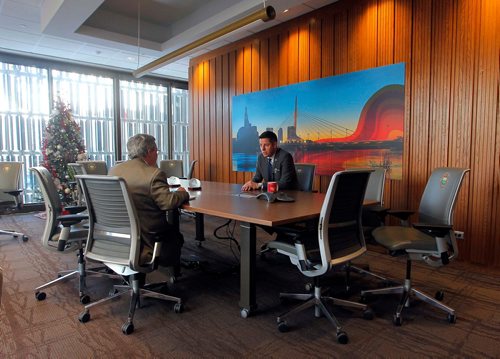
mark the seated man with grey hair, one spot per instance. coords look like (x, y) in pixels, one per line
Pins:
(152, 198)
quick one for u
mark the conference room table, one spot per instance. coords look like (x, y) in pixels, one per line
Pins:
(225, 200)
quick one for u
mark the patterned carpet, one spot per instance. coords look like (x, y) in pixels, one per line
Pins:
(211, 327)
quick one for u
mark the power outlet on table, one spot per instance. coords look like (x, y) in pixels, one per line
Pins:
(459, 235)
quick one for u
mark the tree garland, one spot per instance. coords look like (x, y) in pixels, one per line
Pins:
(62, 144)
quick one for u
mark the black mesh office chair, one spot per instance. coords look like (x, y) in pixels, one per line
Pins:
(10, 199)
(337, 240)
(115, 240)
(431, 240)
(62, 232)
(172, 168)
(305, 176)
(94, 167)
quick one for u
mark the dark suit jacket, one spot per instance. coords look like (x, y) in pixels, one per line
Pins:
(283, 168)
(152, 198)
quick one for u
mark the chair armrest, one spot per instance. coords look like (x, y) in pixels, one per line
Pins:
(438, 230)
(402, 214)
(14, 192)
(68, 220)
(75, 209)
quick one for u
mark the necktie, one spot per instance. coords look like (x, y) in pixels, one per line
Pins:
(270, 174)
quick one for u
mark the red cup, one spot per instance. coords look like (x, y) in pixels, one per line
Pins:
(272, 187)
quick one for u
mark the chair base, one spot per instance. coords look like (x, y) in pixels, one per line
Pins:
(14, 234)
(317, 300)
(407, 293)
(136, 292)
(81, 272)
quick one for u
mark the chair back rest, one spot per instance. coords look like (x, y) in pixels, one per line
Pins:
(114, 231)
(438, 200)
(305, 176)
(77, 170)
(53, 205)
(172, 168)
(375, 186)
(94, 167)
(10, 177)
(340, 231)
(191, 169)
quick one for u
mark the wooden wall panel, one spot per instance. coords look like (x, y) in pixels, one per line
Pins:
(451, 51)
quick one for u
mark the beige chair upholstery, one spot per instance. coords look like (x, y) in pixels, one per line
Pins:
(115, 241)
(10, 190)
(64, 233)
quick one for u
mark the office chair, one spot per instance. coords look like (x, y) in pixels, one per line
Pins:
(10, 176)
(372, 216)
(62, 232)
(305, 176)
(172, 168)
(191, 169)
(432, 240)
(77, 170)
(115, 240)
(94, 167)
(337, 240)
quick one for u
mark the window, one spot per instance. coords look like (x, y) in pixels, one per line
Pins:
(106, 122)
(144, 109)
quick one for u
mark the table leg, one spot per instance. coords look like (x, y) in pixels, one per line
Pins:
(247, 269)
(200, 227)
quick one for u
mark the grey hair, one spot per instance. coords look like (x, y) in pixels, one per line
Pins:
(139, 145)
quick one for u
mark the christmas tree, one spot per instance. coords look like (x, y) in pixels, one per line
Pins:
(62, 144)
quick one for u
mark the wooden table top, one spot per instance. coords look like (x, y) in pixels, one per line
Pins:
(223, 200)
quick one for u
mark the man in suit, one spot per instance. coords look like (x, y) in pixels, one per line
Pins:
(152, 198)
(273, 164)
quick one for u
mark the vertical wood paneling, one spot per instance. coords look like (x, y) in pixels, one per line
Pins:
(205, 123)
(418, 135)
(441, 64)
(315, 49)
(451, 53)
(402, 53)
(304, 51)
(484, 130)
(232, 92)
(385, 32)
(461, 106)
(214, 134)
(341, 41)
(226, 122)
(327, 47)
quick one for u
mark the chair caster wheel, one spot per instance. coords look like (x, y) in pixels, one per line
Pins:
(283, 327)
(342, 337)
(452, 318)
(309, 287)
(178, 308)
(40, 295)
(397, 320)
(172, 280)
(25, 238)
(127, 328)
(439, 295)
(84, 317)
(84, 299)
(245, 313)
(368, 314)
(61, 244)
